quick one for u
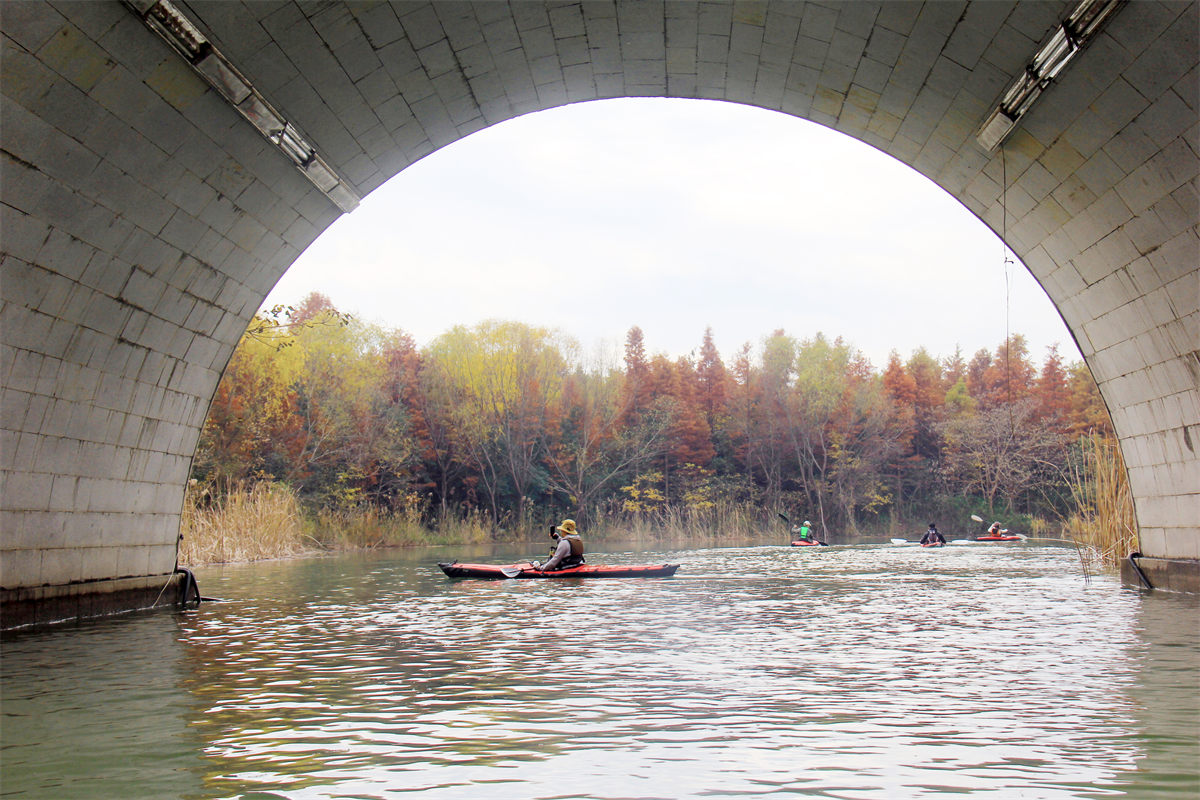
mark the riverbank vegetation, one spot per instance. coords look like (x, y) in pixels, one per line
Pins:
(329, 433)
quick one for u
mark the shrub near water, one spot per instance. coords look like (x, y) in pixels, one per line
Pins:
(242, 524)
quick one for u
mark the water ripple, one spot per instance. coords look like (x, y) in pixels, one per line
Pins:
(843, 672)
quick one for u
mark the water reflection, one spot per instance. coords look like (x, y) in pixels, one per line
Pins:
(95, 711)
(857, 672)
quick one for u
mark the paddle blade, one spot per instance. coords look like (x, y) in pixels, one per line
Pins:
(783, 517)
(977, 518)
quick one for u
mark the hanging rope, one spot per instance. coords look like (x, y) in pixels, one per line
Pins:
(1007, 288)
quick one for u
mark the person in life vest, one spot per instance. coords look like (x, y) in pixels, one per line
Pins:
(996, 530)
(933, 536)
(569, 550)
(803, 531)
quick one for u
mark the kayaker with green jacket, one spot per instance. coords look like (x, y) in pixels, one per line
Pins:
(803, 531)
(569, 550)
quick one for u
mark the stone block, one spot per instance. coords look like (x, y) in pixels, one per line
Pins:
(1152, 541)
(14, 406)
(712, 48)
(132, 560)
(20, 568)
(162, 557)
(38, 530)
(28, 491)
(100, 563)
(62, 565)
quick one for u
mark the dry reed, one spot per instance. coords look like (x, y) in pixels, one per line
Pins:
(367, 527)
(718, 523)
(1103, 525)
(242, 524)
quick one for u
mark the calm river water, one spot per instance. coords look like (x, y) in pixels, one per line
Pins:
(865, 671)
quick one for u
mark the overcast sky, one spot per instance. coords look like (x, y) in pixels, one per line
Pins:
(675, 215)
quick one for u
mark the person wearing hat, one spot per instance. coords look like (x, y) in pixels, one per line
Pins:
(569, 550)
(804, 531)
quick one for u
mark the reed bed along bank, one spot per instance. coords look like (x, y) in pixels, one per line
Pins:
(263, 521)
(1103, 525)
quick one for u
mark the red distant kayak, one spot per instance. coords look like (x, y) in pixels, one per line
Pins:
(807, 543)
(997, 538)
(454, 569)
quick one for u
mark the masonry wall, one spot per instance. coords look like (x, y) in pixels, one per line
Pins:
(144, 221)
(142, 226)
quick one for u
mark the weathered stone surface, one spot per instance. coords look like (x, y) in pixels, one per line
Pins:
(144, 220)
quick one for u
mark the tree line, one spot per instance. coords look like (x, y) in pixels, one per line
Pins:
(514, 422)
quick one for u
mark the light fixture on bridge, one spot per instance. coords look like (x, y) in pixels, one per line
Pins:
(165, 19)
(1080, 27)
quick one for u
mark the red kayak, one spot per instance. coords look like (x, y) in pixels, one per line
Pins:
(997, 538)
(807, 543)
(934, 544)
(454, 569)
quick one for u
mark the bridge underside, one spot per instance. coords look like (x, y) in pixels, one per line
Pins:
(146, 216)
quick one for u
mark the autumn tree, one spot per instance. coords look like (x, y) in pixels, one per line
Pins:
(1088, 412)
(593, 449)
(713, 381)
(842, 431)
(253, 429)
(1052, 392)
(352, 429)
(1000, 452)
(506, 376)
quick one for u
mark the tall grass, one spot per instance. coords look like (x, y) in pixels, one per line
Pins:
(263, 520)
(368, 527)
(720, 522)
(241, 524)
(1103, 525)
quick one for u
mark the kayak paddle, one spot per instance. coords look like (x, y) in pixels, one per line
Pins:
(514, 570)
(899, 541)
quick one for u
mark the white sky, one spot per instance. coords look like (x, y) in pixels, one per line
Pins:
(674, 215)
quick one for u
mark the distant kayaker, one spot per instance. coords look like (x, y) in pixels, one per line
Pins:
(803, 531)
(569, 550)
(996, 530)
(933, 536)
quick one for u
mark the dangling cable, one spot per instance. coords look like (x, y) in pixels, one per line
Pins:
(1007, 288)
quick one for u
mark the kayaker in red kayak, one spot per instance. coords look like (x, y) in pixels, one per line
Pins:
(933, 536)
(804, 531)
(569, 550)
(996, 530)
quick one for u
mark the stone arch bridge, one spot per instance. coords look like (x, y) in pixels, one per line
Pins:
(165, 162)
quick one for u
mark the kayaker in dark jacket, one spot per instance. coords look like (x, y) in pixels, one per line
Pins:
(569, 550)
(933, 536)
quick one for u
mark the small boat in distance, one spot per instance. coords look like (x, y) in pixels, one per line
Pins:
(807, 543)
(454, 569)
